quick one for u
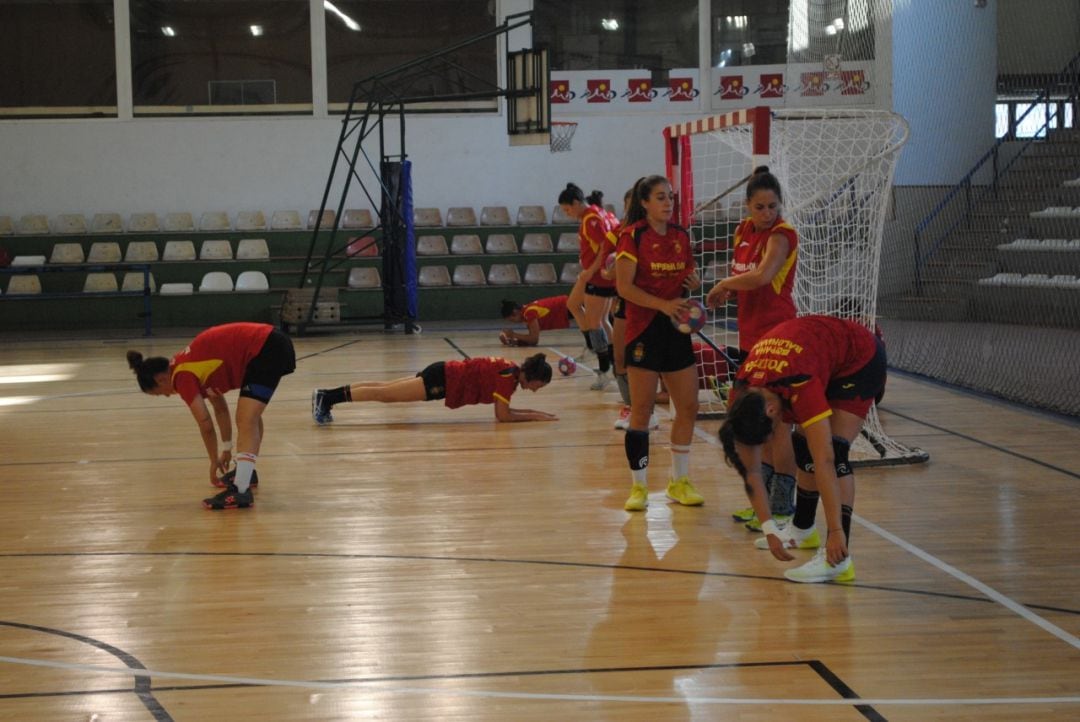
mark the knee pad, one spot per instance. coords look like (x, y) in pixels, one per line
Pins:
(841, 448)
(637, 448)
(803, 459)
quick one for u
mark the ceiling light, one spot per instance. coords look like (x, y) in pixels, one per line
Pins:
(168, 32)
(256, 30)
(349, 22)
(838, 23)
(609, 24)
(830, 30)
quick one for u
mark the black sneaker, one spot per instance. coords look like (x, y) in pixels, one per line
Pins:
(320, 410)
(229, 478)
(230, 499)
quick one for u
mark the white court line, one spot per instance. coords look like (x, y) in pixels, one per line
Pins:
(392, 687)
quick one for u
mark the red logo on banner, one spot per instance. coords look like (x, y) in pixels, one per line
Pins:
(813, 84)
(599, 91)
(772, 85)
(731, 87)
(853, 82)
(639, 90)
(682, 89)
(560, 91)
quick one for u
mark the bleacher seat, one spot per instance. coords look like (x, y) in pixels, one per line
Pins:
(285, 221)
(215, 221)
(460, 216)
(252, 249)
(33, 225)
(100, 283)
(1035, 279)
(531, 216)
(504, 274)
(494, 216)
(326, 221)
(28, 261)
(250, 221)
(365, 277)
(177, 289)
(1072, 182)
(1053, 212)
(216, 282)
(104, 252)
(432, 276)
(363, 246)
(179, 223)
(558, 218)
(1001, 279)
(1063, 281)
(569, 243)
(24, 284)
(540, 273)
(67, 253)
(357, 218)
(469, 276)
(569, 273)
(427, 217)
(536, 243)
(215, 251)
(143, 223)
(501, 243)
(133, 281)
(107, 223)
(178, 251)
(69, 224)
(431, 246)
(252, 282)
(6, 226)
(141, 252)
(466, 245)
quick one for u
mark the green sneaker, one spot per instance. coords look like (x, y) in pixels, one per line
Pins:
(755, 524)
(638, 499)
(743, 515)
(683, 491)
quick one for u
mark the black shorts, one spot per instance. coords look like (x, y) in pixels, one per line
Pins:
(601, 291)
(434, 377)
(619, 310)
(856, 392)
(277, 358)
(661, 347)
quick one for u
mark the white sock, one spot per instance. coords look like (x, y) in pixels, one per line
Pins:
(640, 476)
(245, 466)
(680, 461)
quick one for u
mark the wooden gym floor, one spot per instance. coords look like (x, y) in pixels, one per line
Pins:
(411, 562)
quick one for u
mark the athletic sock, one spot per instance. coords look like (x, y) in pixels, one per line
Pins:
(245, 466)
(845, 520)
(805, 507)
(339, 395)
(680, 461)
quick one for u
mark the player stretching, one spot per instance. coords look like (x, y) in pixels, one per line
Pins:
(545, 314)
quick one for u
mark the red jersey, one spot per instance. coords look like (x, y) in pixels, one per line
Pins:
(480, 380)
(597, 238)
(797, 359)
(765, 306)
(216, 360)
(550, 313)
(663, 263)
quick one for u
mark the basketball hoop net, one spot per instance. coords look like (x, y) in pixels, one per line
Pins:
(561, 134)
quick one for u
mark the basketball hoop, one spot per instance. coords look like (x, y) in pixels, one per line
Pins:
(561, 134)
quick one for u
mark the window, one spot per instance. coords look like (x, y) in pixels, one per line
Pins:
(749, 32)
(220, 56)
(57, 57)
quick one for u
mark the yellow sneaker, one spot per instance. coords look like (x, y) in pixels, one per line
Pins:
(682, 490)
(638, 500)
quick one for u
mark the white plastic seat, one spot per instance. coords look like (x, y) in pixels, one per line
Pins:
(357, 218)
(214, 221)
(251, 221)
(466, 245)
(28, 261)
(141, 252)
(504, 274)
(252, 249)
(469, 275)
(427, 217)
(24, 284)
(1063, 281)
(285, 221)
(67, 253)
(100, 283)
(69, 224)
(178, 251)
(143, 223)
(1052, 212)
(431, 246)
(540, 273)
(1073, 182)
(569, 243)
(33, 225)
(215, 251)
(365, 277)
(216, 282)
(6, 226)
(558, 218)
(133, 281)
(326, 222)
(569, 272)
(177, 289)
(531, 216)
(460, 216)
(179, 223)
(1035, 279)
(107, 223)
(494, 216)
(252, 282)
(536, 243)
(432, 276)
(501, 243)
(104, 252)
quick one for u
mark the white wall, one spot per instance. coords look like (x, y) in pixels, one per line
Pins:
(1037, 36)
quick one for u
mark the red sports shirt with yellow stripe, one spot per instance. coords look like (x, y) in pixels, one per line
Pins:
(597, 238)
(550, 313)
(216, 360)
(663, 263)
(762, 308)
(480, 380)
(797, 359)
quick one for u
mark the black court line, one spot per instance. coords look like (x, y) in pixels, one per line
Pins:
(455, 346)
(534, 562)
(328, 350)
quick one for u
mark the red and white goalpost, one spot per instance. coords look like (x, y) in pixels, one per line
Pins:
(835, 168)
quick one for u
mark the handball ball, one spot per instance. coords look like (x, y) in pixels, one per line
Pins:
(693, 319)
(567, 366)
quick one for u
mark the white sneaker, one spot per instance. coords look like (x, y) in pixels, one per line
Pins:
(819, 570)
(602, 380)
(623, 422)
(793, 538)
(654, 422)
